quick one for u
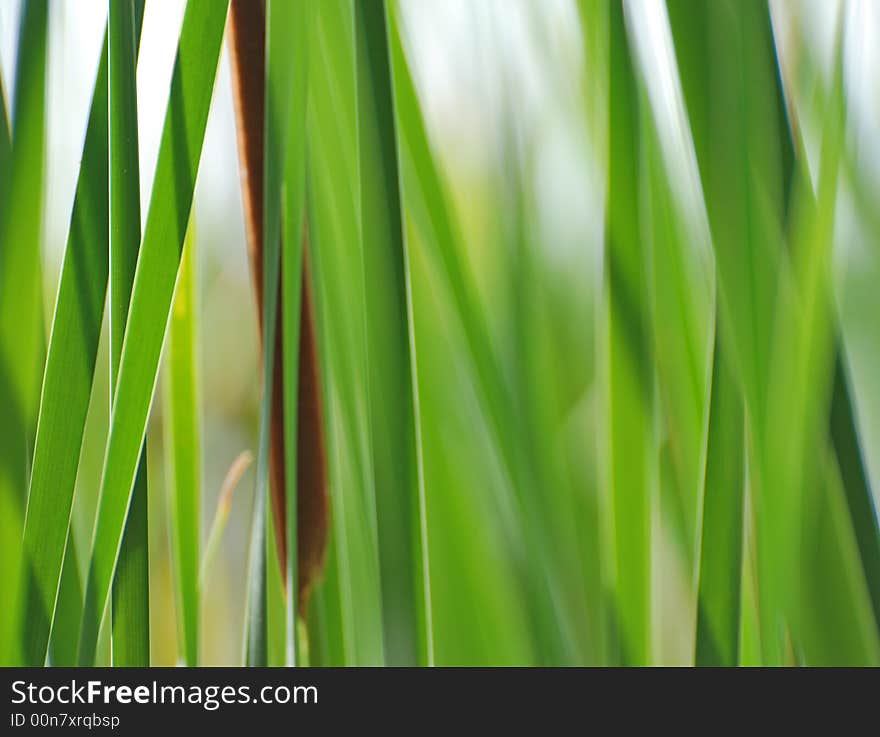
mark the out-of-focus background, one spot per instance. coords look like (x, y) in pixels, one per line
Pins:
(508, 108)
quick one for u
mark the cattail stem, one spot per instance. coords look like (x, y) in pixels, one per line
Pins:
(247, 25)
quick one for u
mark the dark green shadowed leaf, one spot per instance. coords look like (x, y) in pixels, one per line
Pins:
(855, 482)
(730, 81)
(718, 603)
(131, 585)
(179, 152)
(390, 348)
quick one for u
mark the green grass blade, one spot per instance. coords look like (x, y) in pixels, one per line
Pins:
(833, 623)
(130, 610)
(393, 397)
(62, 643)
(718, 603)
(720, 574)
(325, 624)
(293, 222)
(10, 507)
(426, 194)
(682, 309)
(353, 590)
(728, 71)
(179, 152)
(256, 646)
(22, 347)
(183, 433)
(528, 541)
(285, 101)
(131, 585)
(283, 211)
(428, 206)
(261, 590)
(261, 627)
(708, 478)
(21, 307)
(67, 383)
(289, 30)
(843, 428)
(730, 81)
(855, 483)
(850, 453)
(829, 609)
(276, 610)
(795, 496)
(69, 372)
(629, 366)
(10, 569)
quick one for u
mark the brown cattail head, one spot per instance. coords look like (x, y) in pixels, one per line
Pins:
(247, 26)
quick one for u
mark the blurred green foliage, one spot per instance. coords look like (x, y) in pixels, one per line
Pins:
(596, 329)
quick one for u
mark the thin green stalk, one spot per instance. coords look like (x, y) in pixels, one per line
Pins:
(131, 584)
(183, 437)
(629, 365)
(10, 507)
(256, 646)
(221, 514)
(276, 120)
(288, 33)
